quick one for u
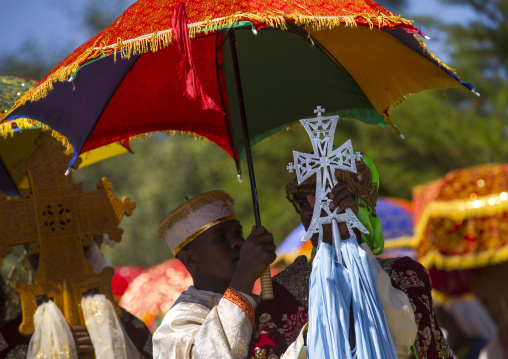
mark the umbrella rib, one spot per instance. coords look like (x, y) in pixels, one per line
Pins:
(223, 103)
(104, 109)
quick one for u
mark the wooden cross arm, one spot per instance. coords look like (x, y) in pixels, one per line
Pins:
(122, 206)
(15, 229)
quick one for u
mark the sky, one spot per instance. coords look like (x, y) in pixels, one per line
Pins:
(57, 23)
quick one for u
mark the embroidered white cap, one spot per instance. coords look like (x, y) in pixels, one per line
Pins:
(194, 217)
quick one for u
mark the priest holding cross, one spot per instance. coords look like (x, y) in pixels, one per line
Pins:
(347, 303)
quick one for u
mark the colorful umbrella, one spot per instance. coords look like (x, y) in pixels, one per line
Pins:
(357, 57)
(396, 216)
(17, 138)
(464, 222)
(462, 232)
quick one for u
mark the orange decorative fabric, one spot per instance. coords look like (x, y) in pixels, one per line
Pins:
(234, 297)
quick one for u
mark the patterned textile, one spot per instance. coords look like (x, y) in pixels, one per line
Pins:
(406, 274)
(204, 325)
(413, 279)
(236, 298)
(278, 324)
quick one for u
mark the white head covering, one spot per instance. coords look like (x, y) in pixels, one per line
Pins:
(194, 217)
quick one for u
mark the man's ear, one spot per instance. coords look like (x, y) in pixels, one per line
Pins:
(188, 258)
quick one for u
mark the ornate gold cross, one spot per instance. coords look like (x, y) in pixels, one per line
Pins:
(57, 219)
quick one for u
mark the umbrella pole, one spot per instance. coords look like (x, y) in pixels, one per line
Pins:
(266, 278)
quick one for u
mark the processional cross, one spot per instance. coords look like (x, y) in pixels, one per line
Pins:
(323, 163)
(57, 219)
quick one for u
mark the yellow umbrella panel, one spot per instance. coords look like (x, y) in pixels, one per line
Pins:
(19, 144)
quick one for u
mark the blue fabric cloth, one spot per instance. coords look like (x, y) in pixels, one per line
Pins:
(335, 283)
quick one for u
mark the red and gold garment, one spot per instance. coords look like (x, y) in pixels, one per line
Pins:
(278, 323)
(413, 279)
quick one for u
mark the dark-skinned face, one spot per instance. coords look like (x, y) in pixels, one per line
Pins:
(306, 211)
(217, 252)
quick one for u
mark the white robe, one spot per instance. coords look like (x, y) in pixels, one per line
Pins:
(204, 324)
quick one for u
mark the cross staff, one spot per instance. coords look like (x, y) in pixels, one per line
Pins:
(56, 219)
(323, 163)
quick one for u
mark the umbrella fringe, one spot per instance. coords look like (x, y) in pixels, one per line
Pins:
(172, 133)
(161, 39)
(465, 208)
(400, 242)
(6, 129)
(27, 123)
(390, 122)
(433, 56)
(464, 261)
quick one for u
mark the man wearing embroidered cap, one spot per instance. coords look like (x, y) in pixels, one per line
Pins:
(214, 317)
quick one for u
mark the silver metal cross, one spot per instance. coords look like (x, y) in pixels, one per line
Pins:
(318, 111)
(323, 163)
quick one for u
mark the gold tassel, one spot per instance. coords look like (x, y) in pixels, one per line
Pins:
(394, 129)
(431, 54)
